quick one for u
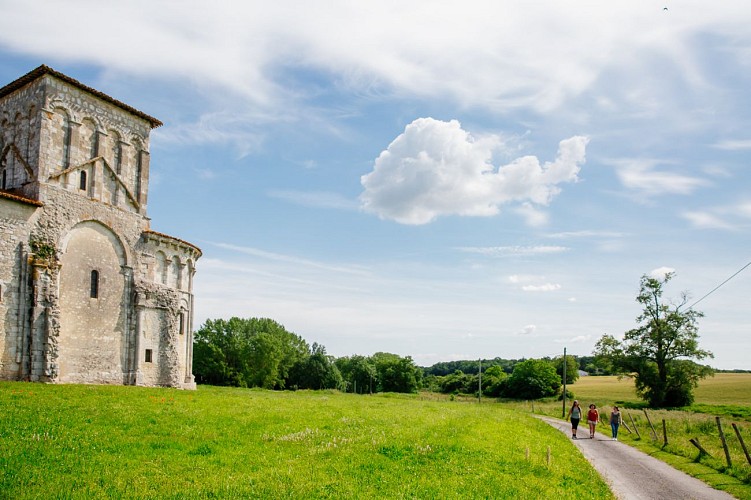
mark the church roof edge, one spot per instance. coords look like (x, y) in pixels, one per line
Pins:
(46, 70)
(162, 235)
(22, 199)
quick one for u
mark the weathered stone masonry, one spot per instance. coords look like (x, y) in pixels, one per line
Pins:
(88, 292)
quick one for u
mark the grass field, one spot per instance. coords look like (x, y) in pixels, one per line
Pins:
(78, 441)
(720, 390)
(726, 395)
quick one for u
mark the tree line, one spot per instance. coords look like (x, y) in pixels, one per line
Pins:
(659, 354)
(259, 352)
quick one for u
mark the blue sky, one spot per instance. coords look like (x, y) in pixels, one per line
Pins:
(444, 180)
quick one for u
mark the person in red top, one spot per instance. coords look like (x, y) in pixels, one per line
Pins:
(592, 418)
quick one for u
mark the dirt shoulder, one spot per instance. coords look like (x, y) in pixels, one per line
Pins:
(633, 474)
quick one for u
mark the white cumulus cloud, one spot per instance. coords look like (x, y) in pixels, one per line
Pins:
(436, 168)
(661, 272)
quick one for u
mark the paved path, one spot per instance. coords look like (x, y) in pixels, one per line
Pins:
(632, 474)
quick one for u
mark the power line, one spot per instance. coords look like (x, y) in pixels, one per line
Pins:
(718, 286)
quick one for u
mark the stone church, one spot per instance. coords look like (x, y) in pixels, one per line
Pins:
(89, 293)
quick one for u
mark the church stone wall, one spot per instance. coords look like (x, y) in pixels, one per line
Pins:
(88, 292)
(93, 335)
(15, 220)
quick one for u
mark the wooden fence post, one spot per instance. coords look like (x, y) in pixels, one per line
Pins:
(626, 426)
(664, 433)
(724, 443)
(743, 444)
(702, 451)
(634, 424)
(654, 432)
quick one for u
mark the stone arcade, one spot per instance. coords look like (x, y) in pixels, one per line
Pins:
(88, 292)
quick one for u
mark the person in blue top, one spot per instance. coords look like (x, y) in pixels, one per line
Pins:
(575, 413)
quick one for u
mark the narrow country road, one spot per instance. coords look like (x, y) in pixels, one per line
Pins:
(633, 474)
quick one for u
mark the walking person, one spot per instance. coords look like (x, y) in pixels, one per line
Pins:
(575, 414)
(615, 422)
(593, 416)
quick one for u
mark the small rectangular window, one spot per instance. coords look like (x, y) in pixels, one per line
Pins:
(147, 357)
(182, 323)
(94, 292)
(82, 184)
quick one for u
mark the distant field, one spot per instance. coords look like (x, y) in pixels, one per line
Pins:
(722, 389)
(131, 442)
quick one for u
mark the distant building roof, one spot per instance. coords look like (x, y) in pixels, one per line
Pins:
(46, 70)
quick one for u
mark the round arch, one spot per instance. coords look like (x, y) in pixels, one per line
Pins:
(92, 344)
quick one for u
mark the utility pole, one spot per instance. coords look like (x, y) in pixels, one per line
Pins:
(565, 369)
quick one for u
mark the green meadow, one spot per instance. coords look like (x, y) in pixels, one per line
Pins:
(75, 441)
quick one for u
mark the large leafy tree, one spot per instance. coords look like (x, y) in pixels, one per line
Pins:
(458, 382)
(493, 381)
(396, 373)
(316, 371)
(253, 352)
(533, 379)
(661, 350)
(359, 373)
(572, 368)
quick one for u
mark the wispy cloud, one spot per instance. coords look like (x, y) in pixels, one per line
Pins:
(707, 220)
(532, 283)
(528, 330)
(579, 339)
(587, 233)
(507, 251)
(290, 259)
(547, 287)
(733, 144)
(644, 176)
(731, 217)
(316, 199)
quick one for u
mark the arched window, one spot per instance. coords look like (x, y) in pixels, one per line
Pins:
(94, 144)
(182, 323)
(66, 141)
(175, 277)
(94, 284)
(162, 267)
(30, 132)
(117, 153)
(139, 171)
(82, 185)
